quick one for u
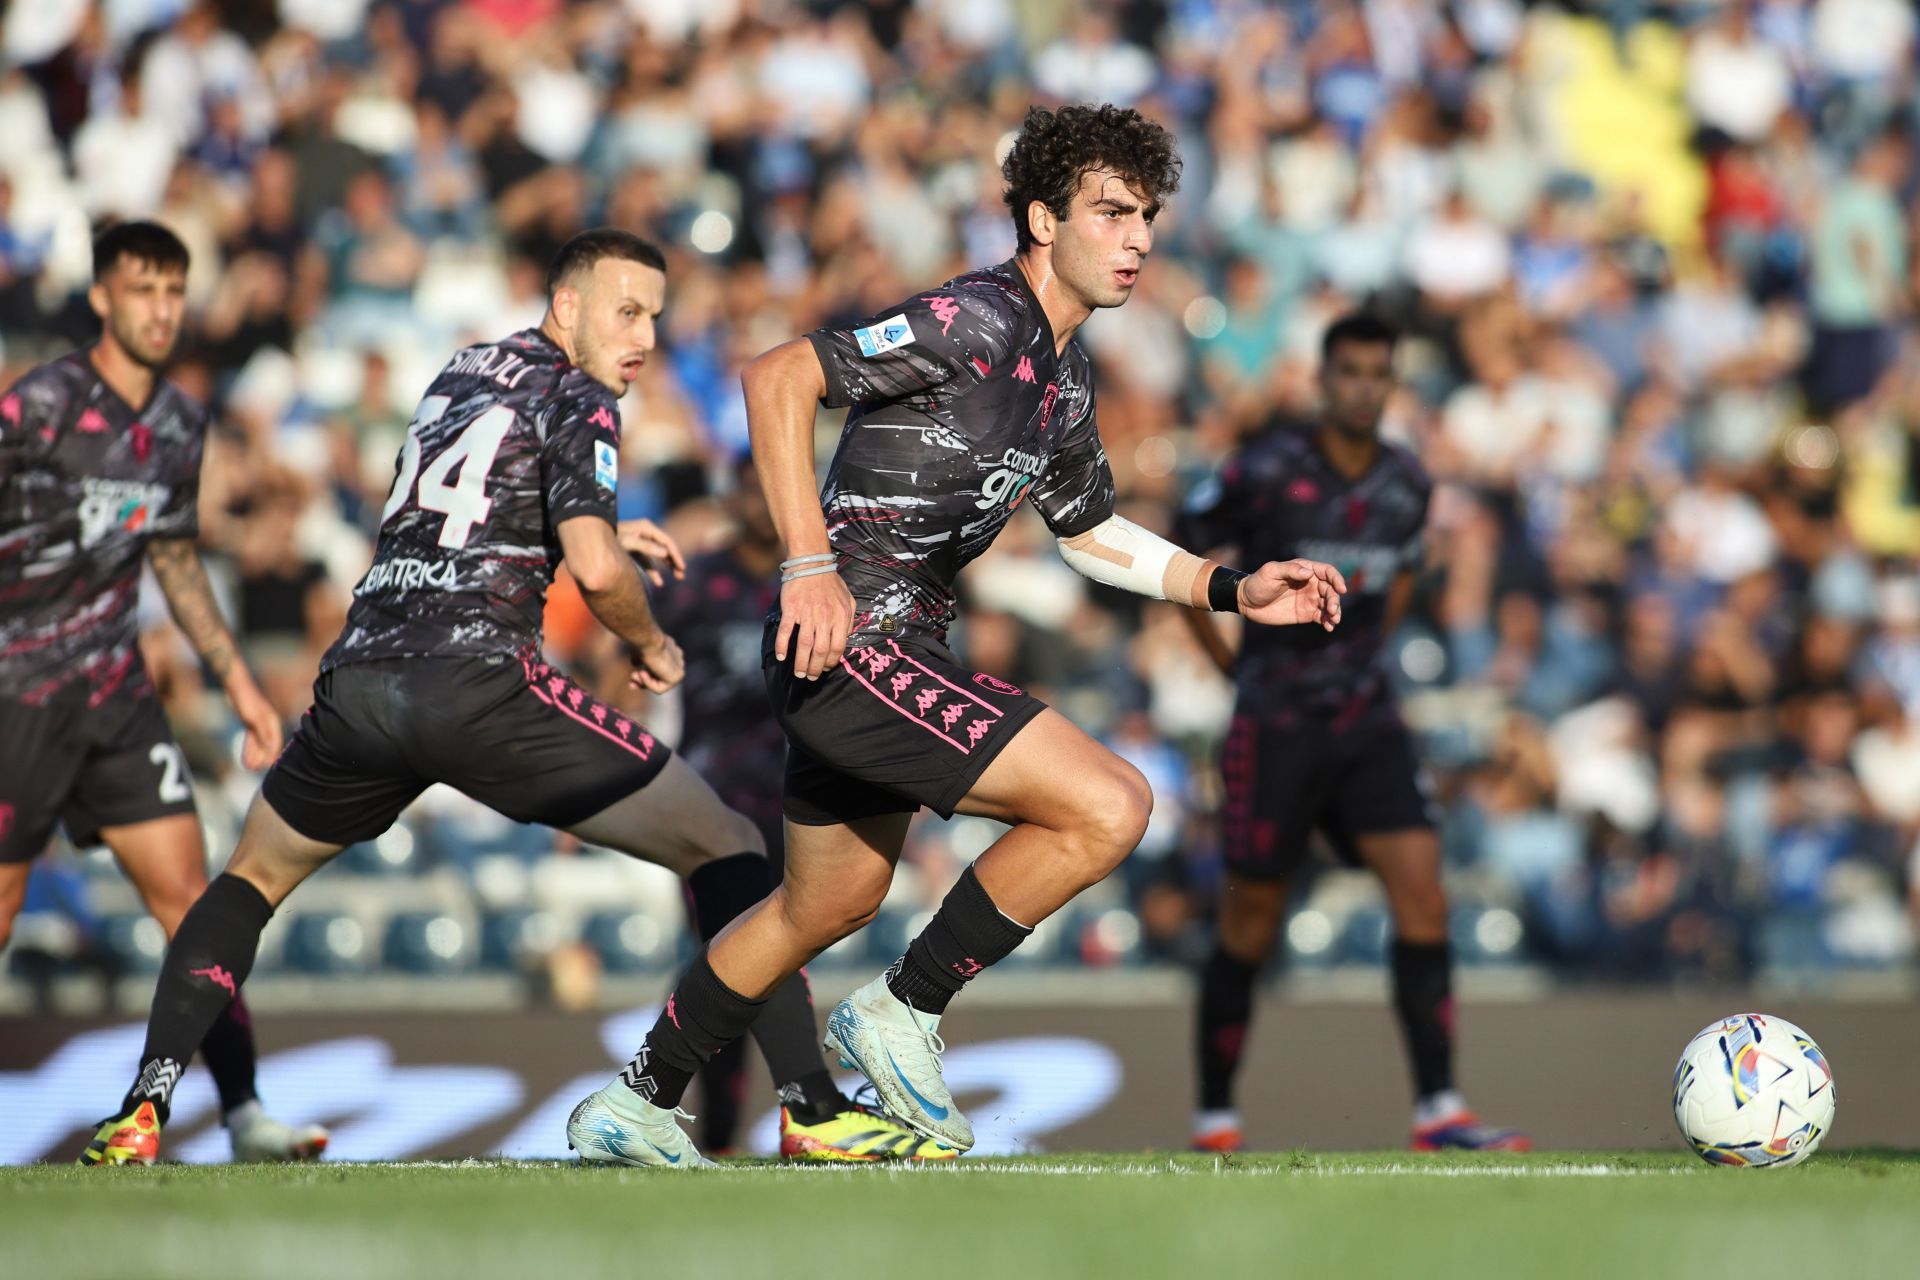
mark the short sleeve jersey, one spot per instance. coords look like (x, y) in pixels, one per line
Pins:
(85, 480)
(960, 410)
(1279, 498)
(509, 441)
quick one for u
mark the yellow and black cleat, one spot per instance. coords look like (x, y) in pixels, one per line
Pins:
(130, 1139)
(856, 1134)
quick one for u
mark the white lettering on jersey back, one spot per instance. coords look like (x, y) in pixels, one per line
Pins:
(407, 574)
(491, 362)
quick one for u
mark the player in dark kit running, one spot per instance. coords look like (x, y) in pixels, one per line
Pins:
(100, 471)
(509, 469)
(1316, 742)
(717, 611)
(966, 399)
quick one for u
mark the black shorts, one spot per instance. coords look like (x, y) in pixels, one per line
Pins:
(85, 767)
(897, 725)
(1285, 781)
(510, 731)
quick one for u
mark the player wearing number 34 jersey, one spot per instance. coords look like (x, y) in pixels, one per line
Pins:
(509, 469)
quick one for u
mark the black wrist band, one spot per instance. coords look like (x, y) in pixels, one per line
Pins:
(1223, 589)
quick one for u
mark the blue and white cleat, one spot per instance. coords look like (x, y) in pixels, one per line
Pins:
(898, 1048)
(615, 1126)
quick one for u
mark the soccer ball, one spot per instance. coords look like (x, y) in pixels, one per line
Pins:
(1753, 1090)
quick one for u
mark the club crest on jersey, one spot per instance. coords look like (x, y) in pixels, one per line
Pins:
(606, 465)
(888, 335)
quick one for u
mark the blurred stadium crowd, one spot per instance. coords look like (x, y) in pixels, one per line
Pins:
(1654, 261)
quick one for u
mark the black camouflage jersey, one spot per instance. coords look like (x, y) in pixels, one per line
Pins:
(85, 480)
(1279, 498)
(509, 441)
(717, 613)
(960, 410)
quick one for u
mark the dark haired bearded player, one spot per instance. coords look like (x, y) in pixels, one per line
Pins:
(509, 469)
(1316, 742)
(965, 400)
(100, 469)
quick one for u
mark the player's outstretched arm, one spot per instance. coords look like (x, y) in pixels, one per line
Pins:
(654, 549)
(183, 580)
(783, 388)
(610, 584)
(1121, 554)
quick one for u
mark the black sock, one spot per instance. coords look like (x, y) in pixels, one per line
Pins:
(1226, 1009)
(723, 1087)
(813, 1097)
(701, 1016)
(786, 1030)
(725, 887)
(966, 935)
(210, 956)
(230, 1055)
(1423, 997)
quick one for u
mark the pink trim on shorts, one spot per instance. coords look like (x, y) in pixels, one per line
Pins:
(533, 687)
(902, 655)
(852, 670)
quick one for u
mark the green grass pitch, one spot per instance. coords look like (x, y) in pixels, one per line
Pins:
(1182, 1217)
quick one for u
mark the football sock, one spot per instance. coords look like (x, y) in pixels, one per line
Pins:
(725, 887)
(723, 1087)
(966, 935)
(813, 1097)
(1423, 997)
(701, 1015)
(786, 1030)
(209, 958)
(1226, 1008)
(230, 1055)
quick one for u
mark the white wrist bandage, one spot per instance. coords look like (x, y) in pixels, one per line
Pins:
(1121, 554)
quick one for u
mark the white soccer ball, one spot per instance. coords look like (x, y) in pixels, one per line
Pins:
(1753, 1090)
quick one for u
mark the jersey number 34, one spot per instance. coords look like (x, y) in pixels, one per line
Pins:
(461, 498)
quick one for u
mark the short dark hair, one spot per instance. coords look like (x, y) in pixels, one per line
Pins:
(589, 248)
(147, 242)
(1056, 149)
(1361, 327)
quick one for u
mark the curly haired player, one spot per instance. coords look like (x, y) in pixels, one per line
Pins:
(966, 400)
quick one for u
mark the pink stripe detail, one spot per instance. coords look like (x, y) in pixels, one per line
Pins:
(565, 710)
(901, 653)
(848, 667)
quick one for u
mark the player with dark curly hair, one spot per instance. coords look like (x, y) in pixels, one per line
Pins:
(966, 399)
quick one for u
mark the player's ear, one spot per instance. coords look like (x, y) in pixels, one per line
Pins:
(1040, 222)
(566, 306)
(97, 299)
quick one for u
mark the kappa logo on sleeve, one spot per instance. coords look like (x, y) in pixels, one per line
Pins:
(606, 465)
(878, 339)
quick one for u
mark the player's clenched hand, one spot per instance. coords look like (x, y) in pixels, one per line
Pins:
(816, 615)
(262, 723)
(1279, 594)
(658, 665)
(654, 548)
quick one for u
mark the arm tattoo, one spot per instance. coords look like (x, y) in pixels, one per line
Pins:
(176, 564)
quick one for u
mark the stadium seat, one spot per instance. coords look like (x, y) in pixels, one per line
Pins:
(508, 938)
(327, 943)
(1364, 937)
(137, 939)
(428, 942)
(631, 942)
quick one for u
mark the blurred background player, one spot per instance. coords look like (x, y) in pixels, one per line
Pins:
(100, 470)
(717, 610)
(966, 399)
(1316, 742)
(508, 471)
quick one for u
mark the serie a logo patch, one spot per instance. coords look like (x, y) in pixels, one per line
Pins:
(878, 339)
(606, 465)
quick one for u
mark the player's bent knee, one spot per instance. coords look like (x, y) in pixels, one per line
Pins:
(820, 923)
(1110, 819)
